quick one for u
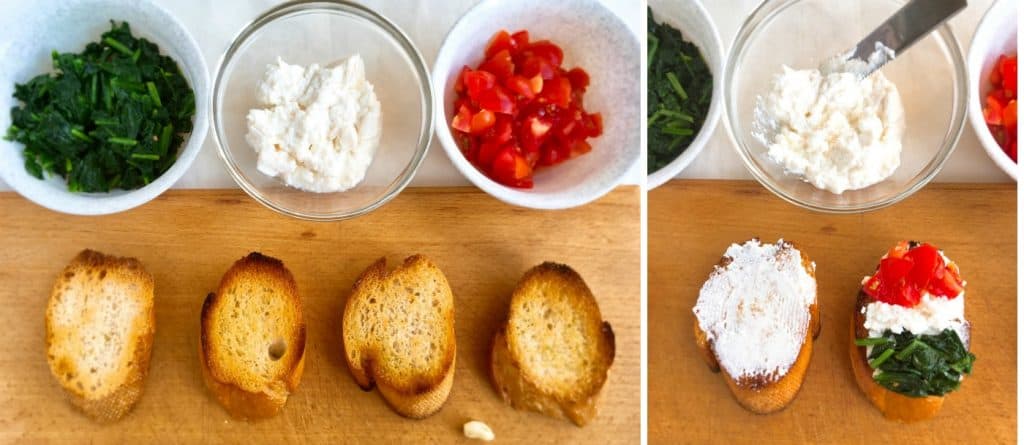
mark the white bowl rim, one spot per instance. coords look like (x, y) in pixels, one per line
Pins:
(670, 170)
(956, 131)
(503, 193)
(974, 110)
(425, 137)
(93, 204)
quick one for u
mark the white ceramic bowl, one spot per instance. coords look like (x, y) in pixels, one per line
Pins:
(593, 38)
(694, 22)
(36, 28)
(996, 34)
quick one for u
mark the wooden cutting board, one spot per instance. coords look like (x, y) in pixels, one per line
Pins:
(693, 222)
(188, 239)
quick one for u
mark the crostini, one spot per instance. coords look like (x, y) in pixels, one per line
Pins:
(756, 319)
(909, 338)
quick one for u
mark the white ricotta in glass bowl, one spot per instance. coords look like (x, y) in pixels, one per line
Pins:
(836, 130)
(320, 127)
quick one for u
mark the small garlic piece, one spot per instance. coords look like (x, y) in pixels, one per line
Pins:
(476, 429)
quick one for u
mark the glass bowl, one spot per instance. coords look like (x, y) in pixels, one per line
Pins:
(931, 78)
(325, 32)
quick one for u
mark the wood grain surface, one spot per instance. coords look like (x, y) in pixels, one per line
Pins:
(188, 239)
(693, 222)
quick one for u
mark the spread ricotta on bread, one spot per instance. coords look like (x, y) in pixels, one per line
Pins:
(553, 353)
(100, 324)
(756, 318)
(909, 337)
(398, 332)
(253, 338)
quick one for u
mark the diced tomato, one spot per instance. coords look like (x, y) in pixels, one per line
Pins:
(905, 274)
(462, 120)
(482, 120)
(927, 265)
(521, 40)
(547, 50)
(894, 269)
(580, 148)
(580, 79)
(501, 132)
(949, 286)
(537, 66)
(1010, 114)
(558, 91)
(488, 152)
(478, 82)
(1000, 107)
(996, 76)
(993, 111)
(460, 84)
(1008, 73)
(500, 65)
(510, 167)
(520, 110)
(500, 42)
(497, 100)
(521, 86)
(537, 84)
(594, 124)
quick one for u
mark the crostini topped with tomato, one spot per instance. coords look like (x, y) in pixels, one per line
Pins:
(909, 336)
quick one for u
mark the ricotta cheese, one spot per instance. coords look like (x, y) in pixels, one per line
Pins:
(754, 310)
(836, 130)
(320, 126)
(931, 316)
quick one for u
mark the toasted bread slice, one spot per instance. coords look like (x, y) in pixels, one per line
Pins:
(398, 331)
(763, 394)
(253, 339)
(553, 353)
(100, 324)
(893, 405)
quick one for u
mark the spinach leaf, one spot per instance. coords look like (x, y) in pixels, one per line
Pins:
(919, 365)
(679, 86)
(110, 117)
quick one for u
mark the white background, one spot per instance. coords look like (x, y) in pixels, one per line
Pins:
(214, 23)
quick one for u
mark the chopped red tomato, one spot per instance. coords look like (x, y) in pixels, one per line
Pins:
(1000, 107)
(905, 273)
(520, 110)
(482, 120)
(463, 120)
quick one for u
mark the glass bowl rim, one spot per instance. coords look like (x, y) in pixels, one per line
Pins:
(344, 7)
(762, 15)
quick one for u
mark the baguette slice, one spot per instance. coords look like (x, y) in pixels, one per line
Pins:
(893, 405)
(553, 353)
(398, 332)
(760, 395)
(100, 324)
(253, 340)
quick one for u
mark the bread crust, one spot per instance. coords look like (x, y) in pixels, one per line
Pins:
(237, 401)
(893, 405)
(763, 396)
(122, 399)
(519, 387)
(415, 398)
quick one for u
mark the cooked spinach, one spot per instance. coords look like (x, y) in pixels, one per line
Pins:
(919, 365)
(679, 86)
(110, 117)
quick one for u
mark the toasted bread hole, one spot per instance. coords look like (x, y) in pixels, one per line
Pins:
(277, 350)
(103, 274)
(69, 275)
(373, 301)
(436, 303)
